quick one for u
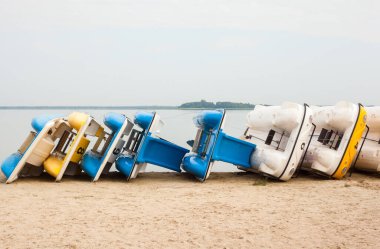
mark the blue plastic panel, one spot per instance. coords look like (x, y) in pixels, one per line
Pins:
(161, 153)
(232, 150)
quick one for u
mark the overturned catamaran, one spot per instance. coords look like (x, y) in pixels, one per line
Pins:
(213, 144)
(66, 156)
(145, 146)
(339, 130)
(282, 135)
(36, 148)
(368, 158)
(108, 146)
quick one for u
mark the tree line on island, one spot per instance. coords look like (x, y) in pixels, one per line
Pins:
(203, 104)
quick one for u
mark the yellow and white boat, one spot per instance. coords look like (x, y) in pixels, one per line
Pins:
(66, 157)
(339, 130)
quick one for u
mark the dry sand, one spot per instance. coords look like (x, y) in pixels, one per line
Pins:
(168, 210)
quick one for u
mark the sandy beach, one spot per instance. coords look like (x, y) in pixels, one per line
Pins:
(169, 210)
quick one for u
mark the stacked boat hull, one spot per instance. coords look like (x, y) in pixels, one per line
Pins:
(278, 142)
(281, 134)
(339, 130)
(368, 158)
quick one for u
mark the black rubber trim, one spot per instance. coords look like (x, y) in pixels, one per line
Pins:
(295, 144)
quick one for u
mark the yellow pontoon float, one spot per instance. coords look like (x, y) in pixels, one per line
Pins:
(339, 130)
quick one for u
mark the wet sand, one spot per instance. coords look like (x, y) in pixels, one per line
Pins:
(169, 210)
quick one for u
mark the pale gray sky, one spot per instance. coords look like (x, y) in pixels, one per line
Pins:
(167, 52)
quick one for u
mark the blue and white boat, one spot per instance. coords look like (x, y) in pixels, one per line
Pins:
(145, 146)
(213, 144)
(108, 146)
(36, 148)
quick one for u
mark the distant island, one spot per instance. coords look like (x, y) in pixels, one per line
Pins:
(203, 104)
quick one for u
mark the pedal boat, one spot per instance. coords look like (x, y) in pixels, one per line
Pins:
(213, 144)
(339, 130)
(282, 135)
(145, 146)
(36, 148)
(108, 146)
(368, 158)
(66, 156)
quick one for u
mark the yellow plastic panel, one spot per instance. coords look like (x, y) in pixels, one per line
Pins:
(79, 150)
(350, 153)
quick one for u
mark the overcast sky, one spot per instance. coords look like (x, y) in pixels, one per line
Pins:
(166, 52)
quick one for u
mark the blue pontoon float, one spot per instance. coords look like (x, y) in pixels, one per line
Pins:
(28, 159)
(108, 146)
(144, 146)
(212, 144)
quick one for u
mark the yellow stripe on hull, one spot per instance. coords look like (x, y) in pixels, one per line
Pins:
(350, 153)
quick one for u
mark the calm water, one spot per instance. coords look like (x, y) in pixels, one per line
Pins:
(179, 128)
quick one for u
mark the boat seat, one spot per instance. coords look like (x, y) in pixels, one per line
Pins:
(41, 152)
